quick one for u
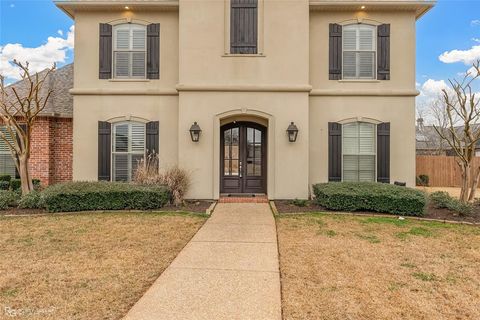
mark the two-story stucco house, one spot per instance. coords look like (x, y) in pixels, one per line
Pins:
(150, 74)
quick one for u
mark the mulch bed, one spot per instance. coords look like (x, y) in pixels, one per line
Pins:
(286, 206)
(199, 206)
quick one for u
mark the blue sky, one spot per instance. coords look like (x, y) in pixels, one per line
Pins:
(451, 25)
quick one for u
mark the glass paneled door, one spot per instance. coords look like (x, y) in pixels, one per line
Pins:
(243, 158)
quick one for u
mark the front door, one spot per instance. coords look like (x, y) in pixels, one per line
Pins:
(243, 158)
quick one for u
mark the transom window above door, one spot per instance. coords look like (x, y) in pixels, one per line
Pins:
(359, 51)
(128, 148)
(129, 51)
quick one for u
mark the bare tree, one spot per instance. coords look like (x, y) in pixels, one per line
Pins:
(462, 131)
(18, 113)
(439, 116)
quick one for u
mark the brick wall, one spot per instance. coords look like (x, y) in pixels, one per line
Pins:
(52, 150)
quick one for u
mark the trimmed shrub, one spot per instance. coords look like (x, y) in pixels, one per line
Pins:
(300, 202)
(36, 184)
(8, 199)
(441, 199)
(4, 185)
(5, 177)
(32, 200)
(15, 184)
(370, 196)
(85, 196)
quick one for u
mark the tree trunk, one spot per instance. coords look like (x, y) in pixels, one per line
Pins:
(465, 179)
(25, 175)
(476, 177)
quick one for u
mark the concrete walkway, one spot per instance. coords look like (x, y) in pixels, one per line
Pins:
(229, 270)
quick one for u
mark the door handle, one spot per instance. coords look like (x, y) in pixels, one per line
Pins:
(240, 168)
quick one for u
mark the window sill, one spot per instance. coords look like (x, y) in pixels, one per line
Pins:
(129, 80)
(360, 80)
(247, 55)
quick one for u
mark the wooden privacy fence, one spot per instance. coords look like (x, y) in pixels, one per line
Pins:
(443, 171)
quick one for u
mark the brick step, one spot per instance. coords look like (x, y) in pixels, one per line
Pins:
(243, 199)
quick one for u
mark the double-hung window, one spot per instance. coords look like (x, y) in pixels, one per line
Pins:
(128, 148)
(359, 151)
(130, 51)
(359, 51)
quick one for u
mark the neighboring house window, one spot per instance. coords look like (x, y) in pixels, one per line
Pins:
(129, 51)
(7, 164)
(359, 51)
(128, 148)
(243, 26)
(358, 155)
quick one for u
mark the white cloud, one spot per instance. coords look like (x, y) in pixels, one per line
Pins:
(476, 40)
(466, 56)
(430, 91)
(41, 57)
(475, 22)
(60, 32)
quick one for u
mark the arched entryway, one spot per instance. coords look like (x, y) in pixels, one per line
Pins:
(243, 158)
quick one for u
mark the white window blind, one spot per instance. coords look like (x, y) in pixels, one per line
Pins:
(7, 164)
(359, 151)
(128, 148)
(130, 51)
(359, 51)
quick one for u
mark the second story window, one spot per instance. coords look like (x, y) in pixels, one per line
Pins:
(243, 26)
(359, 51)
(129, 51)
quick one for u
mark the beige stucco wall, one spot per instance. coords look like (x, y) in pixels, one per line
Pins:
(399, 111)
(86, 50)
(272, 87)
(287, 162)
(88, 110)
(204, 32)
(376, 101)
(402, 50)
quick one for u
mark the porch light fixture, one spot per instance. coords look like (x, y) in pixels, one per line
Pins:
(362, 7)
(195, 132)
(292, 132)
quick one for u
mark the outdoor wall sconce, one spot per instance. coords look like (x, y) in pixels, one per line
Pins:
(292, 132)
(195, 132)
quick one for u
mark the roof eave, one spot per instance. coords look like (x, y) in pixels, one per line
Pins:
(421, 6)
(69, 6)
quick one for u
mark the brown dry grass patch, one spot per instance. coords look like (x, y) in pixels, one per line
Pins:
(345, 267)
(85, 266)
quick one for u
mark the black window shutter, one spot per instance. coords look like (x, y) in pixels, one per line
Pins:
(335, 52)
(334, 151)
(383, 52)
(105, 50)
(383, 152)
(153, 51)
(104, 150)
(243, 26)
(152, 137)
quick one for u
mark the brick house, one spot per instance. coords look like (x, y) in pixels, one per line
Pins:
(51, 153)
